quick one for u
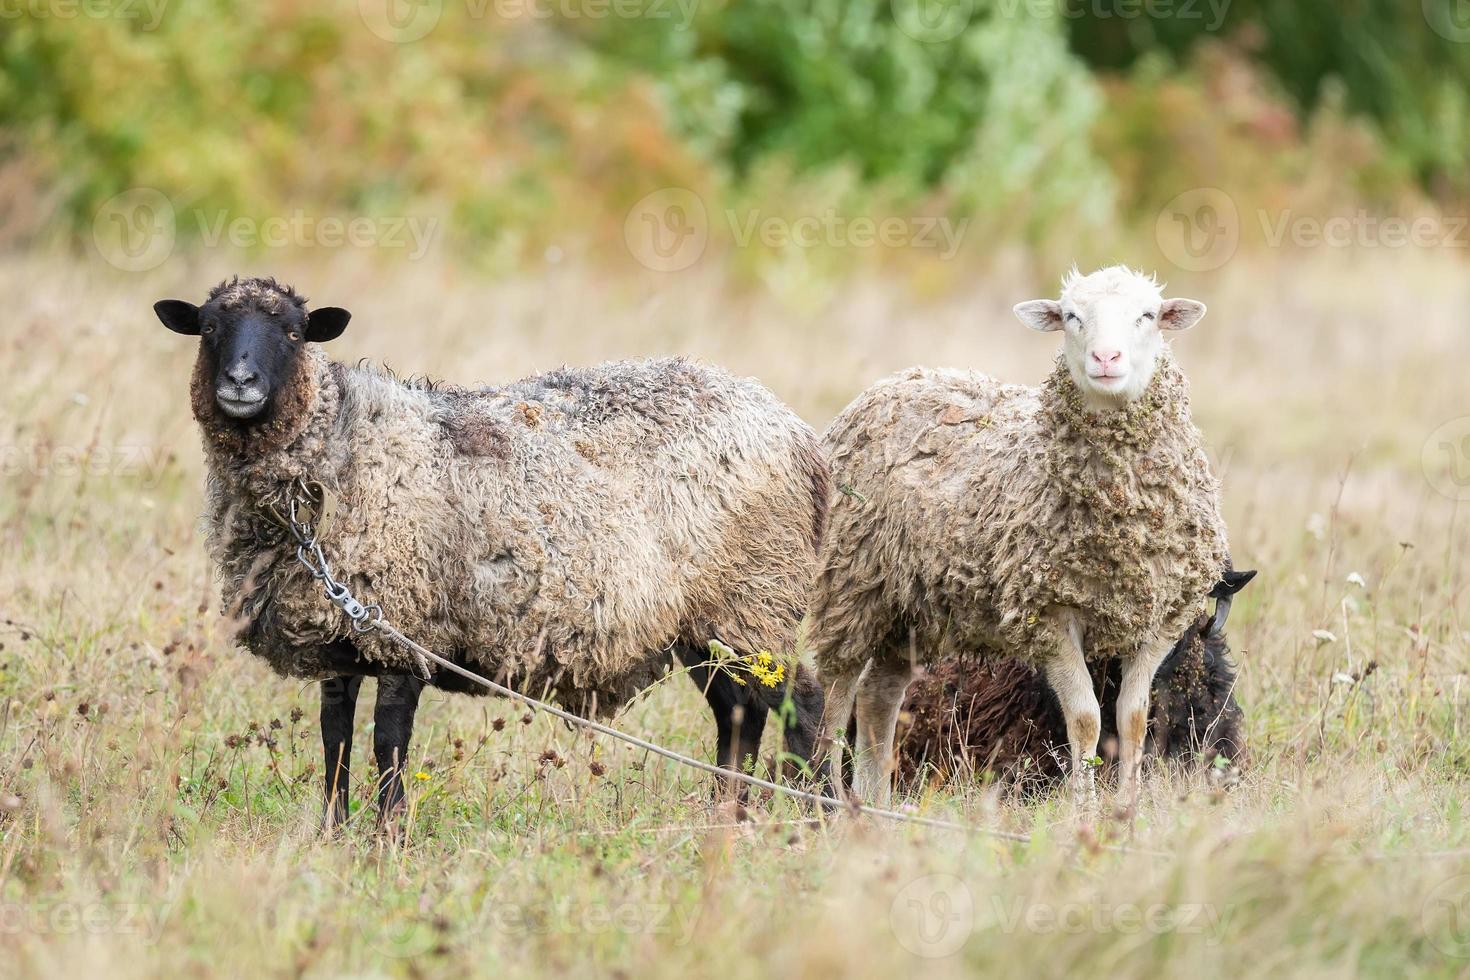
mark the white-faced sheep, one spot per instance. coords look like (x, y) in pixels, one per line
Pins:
(564, 534)
(1074, 522)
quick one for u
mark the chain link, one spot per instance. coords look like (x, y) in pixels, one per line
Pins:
(365, 617)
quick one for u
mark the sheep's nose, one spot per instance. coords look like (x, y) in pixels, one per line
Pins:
(1107, 358)
(242, 374)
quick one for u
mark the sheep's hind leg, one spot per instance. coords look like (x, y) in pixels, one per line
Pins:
(1071, 682)
(398, 702)
(1133, 704)
(879, 698)
(339, 708)
(739, 721)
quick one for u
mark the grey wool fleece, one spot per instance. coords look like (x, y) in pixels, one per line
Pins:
(561, 533)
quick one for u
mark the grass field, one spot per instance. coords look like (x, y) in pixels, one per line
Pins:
(159, 791)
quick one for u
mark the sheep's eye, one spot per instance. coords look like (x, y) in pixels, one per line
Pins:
(207, 328)
(1147, 316)
(294, 335)
(1072, 317)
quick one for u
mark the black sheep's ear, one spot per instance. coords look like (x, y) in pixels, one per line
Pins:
(1224, 593)
(326, 324)
(178, 316)
(1237, 580)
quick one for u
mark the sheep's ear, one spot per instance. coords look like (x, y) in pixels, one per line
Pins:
(1180, 314)
(178, 316)
(1040, 314)
(326, 323)
(1231, 582)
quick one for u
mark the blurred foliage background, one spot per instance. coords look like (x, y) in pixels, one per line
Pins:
(528, 125)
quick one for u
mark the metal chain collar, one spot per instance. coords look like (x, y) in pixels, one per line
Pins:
(309, 552)
(307, 503)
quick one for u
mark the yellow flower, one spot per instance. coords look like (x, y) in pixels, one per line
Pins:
(421, 776)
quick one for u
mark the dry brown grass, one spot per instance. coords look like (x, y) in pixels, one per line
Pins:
(154, 818)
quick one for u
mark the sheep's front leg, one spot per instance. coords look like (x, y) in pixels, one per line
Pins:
(339, 707)
(398, 702)
(1133, 704)
(879, 698)
(1071, 682)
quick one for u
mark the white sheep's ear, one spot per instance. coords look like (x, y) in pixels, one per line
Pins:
(1180, 314)
(1040, 314)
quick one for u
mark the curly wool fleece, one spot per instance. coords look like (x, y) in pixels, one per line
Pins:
(974, 512)
(561, 533)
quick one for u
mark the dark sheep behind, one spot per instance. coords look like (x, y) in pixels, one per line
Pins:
(965, 718)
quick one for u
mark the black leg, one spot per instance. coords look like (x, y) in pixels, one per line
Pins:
(752, 719)
(739, 718)
(398, 700)
(339, 707)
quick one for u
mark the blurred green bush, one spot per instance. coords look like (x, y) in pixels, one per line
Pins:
(1405, 64)
(519, 123)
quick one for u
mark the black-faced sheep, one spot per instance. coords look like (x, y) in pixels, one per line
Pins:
(565, 534)
(1059, 525)
(1000, 718)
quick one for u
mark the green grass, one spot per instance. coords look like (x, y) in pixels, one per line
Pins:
(159, 791)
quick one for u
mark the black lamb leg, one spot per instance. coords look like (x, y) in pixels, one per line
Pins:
(339, 707)
(398, 700)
